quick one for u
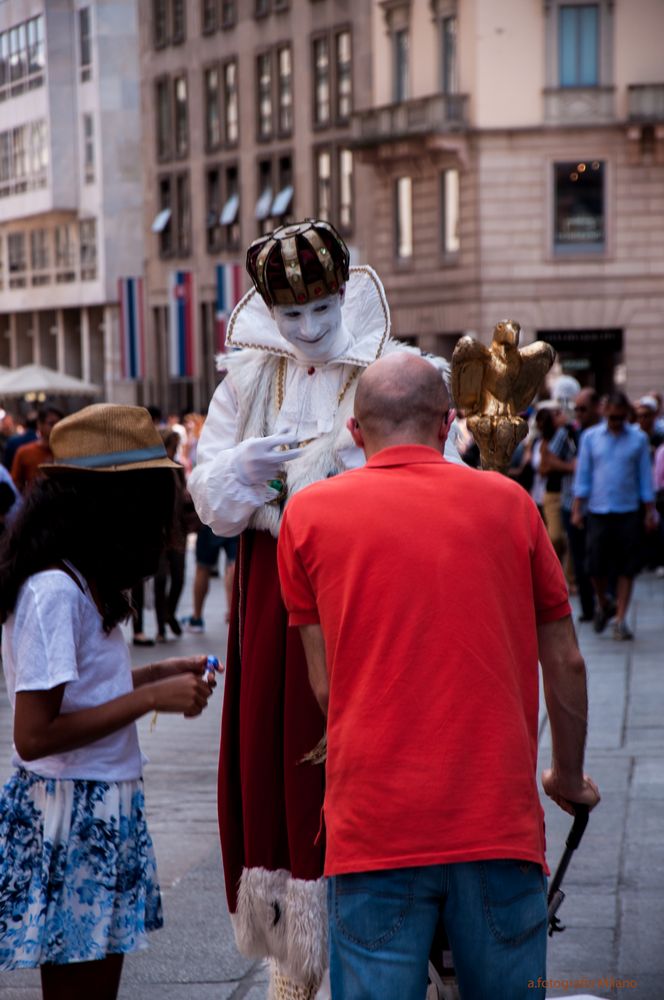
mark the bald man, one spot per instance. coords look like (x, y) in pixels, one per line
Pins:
(425, 593)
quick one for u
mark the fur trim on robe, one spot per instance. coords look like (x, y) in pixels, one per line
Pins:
(283, 918)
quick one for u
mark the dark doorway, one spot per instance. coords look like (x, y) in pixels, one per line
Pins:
(591, 356)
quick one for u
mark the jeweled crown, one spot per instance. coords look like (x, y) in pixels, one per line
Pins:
(298, 263)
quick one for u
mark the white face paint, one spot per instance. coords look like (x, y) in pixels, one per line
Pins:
(315, 329)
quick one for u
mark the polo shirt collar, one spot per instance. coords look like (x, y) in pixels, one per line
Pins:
(405, 454)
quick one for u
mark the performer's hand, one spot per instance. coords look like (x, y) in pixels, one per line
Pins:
(258, 459)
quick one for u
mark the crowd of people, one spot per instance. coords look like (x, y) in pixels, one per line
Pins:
(594, 466)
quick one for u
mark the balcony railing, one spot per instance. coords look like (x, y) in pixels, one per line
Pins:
(579, 105)
(418, 117)
(645, 102)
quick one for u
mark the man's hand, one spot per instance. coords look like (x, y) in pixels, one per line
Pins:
(564, 792)
(257, 460)
(651, 519)
(576, 517)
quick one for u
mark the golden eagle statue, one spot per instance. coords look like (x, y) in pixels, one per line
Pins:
(493, 385)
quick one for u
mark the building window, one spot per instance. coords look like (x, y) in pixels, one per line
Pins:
(579, 195)
(400, 61)
(87, 238)
(344, 75)
(213, 202)
(209, 16)
(283, 200)
(18, 59)
(264, 200)
(449, 198)
(264, 81)
(404, 218)
(231, 110)
(65, 253)
(84, 44)
(181, 116)
(23, 158)
(182, 215)
(19, 159)
(285, 90)
(323, 165)
(38, 165)
(448, 55)
(230, 213)
(36, 55)
(163, 114)
(345, 190)
(159, 23)
(163, 224)
(261, 8)
(211, 105)
(179, 21)
(228, 13)
(88, 148)
(578, 45)
(321, 76)
(17, 260)
(40, 258)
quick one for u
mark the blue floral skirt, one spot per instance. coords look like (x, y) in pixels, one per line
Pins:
(78, 877)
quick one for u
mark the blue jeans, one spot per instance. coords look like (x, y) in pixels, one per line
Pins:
(382, 926)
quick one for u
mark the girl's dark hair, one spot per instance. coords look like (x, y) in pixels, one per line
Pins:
(110, 526)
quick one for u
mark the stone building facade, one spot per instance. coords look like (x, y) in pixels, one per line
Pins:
(247, 120)
(517, 158)
(70, 184)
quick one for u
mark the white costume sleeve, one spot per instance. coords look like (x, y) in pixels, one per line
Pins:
(220, 498)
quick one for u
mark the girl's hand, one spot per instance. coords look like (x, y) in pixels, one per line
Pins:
(183, 692)
(184, 665)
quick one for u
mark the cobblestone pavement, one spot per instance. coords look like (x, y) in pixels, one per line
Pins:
(614, 910)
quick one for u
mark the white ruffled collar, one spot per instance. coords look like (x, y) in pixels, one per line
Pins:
(365, 311)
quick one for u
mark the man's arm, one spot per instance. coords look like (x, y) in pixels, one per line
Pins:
(314, 649)
(582, 482)
(564, 676)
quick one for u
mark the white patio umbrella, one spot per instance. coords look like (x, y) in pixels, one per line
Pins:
(38, 378)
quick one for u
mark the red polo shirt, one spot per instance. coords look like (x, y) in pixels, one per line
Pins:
(428, 580)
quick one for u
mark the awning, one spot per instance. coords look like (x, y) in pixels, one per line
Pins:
(161, 220)
(264, 204)
(283, 200)
(229, 211)
(38, 378)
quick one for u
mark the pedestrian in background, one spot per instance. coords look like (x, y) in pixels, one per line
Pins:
(431, 804)
(7, 430)
(24, 435)
(613, 483)
(586, 411)
(29, 457)
(78, 880)
(169, 579)
(557, 461)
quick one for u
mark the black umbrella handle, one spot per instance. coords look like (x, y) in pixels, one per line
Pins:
(581, 811)
(556, 895)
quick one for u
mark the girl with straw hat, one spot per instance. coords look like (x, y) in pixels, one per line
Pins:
(78, 880)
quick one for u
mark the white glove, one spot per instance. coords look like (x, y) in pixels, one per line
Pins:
(257, 459)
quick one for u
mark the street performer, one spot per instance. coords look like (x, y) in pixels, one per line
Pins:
(277, 423)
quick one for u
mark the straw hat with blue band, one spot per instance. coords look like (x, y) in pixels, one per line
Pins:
(107, 437)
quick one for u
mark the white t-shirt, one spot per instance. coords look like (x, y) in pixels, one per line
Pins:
(55, 636)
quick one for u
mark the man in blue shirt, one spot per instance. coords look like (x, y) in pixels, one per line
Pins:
(614, 479)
